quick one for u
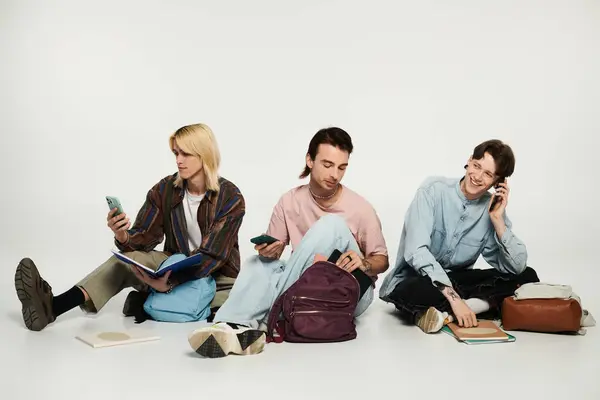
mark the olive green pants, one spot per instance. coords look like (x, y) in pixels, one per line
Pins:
(113, 275)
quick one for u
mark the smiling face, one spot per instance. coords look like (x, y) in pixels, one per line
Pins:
(328, 167)
(188, 165)
(480, 176)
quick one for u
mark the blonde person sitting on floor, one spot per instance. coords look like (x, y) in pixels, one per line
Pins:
(206, 214)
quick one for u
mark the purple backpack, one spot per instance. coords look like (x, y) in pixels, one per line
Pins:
(319, 307)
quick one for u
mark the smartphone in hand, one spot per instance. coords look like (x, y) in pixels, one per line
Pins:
(496, 199)
(334, 256)
(114, 202)
(364, 281)
(263, 239)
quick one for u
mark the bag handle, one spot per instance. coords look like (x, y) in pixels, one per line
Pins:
(273, 322)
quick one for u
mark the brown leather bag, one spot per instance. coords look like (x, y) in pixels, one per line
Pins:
(541, 315)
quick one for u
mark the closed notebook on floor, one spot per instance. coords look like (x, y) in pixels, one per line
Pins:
(485, 332)
(115, 338)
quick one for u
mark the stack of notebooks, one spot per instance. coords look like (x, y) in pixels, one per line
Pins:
(484, 333)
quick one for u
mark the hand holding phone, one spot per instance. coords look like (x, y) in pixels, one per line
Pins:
(268, 246)
(113, 203)
(364, 281)
(335, 255)
(495, 201)
(117, 220)
(261, 239)
(495, 197)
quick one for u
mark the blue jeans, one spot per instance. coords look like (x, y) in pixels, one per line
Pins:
(261, 281)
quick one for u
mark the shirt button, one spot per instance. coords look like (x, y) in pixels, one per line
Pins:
(456, 235)
(463, 218)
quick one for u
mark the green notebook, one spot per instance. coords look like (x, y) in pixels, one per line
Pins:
(510, 338)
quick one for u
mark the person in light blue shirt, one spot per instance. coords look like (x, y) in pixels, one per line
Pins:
(449, 224)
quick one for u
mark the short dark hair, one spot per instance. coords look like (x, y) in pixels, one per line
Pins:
(502, 154)
(334, 136)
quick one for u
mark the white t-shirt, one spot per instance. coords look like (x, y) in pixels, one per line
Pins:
(190, 206)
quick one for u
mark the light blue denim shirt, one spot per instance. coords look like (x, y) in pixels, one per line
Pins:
(443, 231)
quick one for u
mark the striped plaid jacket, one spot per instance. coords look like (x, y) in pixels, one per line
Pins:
(220, 216)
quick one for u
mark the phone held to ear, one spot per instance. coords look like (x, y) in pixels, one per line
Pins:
(496, 199)
(114, 202)
(263, 239)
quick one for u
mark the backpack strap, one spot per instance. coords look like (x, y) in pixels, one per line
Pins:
(273, 323)
(169, 238)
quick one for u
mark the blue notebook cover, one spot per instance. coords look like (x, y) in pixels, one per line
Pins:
(174, 263)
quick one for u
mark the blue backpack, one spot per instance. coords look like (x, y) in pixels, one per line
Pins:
(187, 302)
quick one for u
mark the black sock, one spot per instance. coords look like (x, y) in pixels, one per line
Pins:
(68, 300)
(236, 326)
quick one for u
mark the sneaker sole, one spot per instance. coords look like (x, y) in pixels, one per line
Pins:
(27, 282)
(430, 321)
(216, 343)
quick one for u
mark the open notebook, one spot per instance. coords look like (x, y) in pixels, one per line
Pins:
(173, 263)
(484, 333)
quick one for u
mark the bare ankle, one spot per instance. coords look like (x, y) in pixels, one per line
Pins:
(85, 295)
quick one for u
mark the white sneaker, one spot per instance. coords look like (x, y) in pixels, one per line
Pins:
(432, 320)
(222, 339)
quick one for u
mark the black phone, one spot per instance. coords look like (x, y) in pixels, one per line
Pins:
(364, 281)
(263, 239)
(496, 198)
(334, 256)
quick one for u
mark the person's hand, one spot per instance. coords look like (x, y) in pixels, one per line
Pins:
(119, 225)
(158, 284)
(272, 251)
(349, 261)
(465, 317)
(501, 192)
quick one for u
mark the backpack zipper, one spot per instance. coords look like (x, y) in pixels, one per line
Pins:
(320, 312)
(320, 299)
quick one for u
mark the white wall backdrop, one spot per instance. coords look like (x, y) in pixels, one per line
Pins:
(90, 92)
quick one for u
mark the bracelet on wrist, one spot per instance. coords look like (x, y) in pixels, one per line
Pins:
(170, 284)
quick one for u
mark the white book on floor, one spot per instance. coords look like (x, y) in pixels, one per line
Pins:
(115, 338)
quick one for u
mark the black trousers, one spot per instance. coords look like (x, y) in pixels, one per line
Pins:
(417, 293)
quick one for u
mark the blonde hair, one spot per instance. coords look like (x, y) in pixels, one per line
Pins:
(198, 140)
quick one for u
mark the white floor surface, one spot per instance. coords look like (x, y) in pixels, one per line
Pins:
(388, 360)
